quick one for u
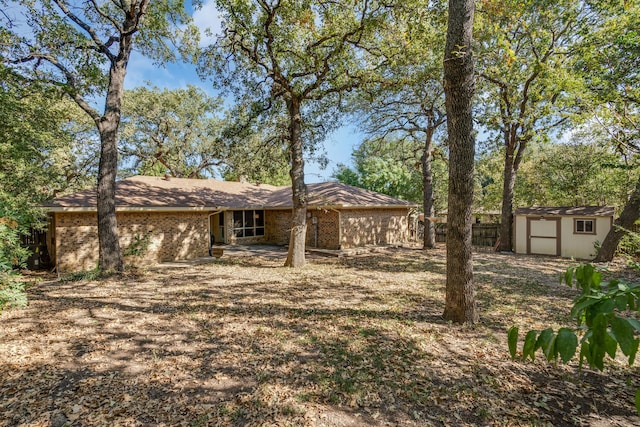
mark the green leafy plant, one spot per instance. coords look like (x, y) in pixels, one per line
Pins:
(11, 291)
(634, 265)
(12, 255)
(606, 319)
(139, 246)
(84, 275)
(630, 245)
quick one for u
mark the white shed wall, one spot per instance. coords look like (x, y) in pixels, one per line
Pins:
(521, 234)
(581, 246)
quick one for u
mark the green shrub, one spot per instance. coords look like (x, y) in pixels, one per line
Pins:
(606, 319)
(139, 246)
(12, 293)
(12, 255)
(79, 276)
(630, 245)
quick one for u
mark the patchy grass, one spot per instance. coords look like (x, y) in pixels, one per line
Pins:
(353, 341)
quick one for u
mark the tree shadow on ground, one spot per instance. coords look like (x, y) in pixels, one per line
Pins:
(239, 345)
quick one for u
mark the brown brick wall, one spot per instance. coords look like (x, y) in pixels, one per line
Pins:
(173, 235)
(76, 241)
(277, 225)
(278, 228)
(185, 235)
(362, 227)
(325, 233)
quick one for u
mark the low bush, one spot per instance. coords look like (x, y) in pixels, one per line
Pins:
(12, 292)
(12, 255)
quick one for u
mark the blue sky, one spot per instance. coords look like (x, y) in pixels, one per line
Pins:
(141, 72)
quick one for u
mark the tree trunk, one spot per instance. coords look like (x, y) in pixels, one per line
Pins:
(506, 224)
(427, 199)
(110, 258)
(297, 241)
(628, 217)
(515, 145)
(459, 85)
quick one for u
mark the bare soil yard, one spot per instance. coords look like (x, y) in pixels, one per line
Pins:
(353, 341)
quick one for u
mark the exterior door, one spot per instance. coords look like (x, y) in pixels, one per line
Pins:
(543, 236)
(216, 227)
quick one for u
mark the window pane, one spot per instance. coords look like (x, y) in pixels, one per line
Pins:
(237, 219)
(588, 226)
(580, 226)
(259, 218)
(238, 232)
(259, 231)
(248, 232)
(248, 219)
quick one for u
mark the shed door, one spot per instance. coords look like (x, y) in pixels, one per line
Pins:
(543, 236)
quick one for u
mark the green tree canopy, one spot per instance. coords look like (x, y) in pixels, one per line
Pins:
(37, 146)
(171, 131)
(610, 59)
(404, 97)
(528, 86)
(581, 171)
(84, 49)
(36, 155)
(393, 167)
(298, 58)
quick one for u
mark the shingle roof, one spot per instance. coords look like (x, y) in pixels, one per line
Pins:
(567, 210)
(146, 192)
(338, 194)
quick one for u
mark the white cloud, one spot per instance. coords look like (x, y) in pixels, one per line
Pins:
(208, 19)
(174, 75)
(141, 70)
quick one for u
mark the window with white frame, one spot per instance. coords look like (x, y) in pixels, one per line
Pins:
(248, 223)
(584, 226)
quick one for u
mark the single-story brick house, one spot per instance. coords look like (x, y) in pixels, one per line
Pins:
(174, 218)
(570, 232)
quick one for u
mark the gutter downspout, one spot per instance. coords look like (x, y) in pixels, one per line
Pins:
(314, 220)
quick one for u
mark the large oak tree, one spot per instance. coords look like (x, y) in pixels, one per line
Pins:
(403, 103)
(459, 86)
(528, 87)
(84, 48)
(299, 57)
(178, 132)
(189, 134)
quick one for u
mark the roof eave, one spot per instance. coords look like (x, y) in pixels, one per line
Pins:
(88, 209)
(361, 206)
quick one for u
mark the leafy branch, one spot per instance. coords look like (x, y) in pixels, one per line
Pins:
(604, 314)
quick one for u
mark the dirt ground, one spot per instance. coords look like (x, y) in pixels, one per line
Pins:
(353, 341)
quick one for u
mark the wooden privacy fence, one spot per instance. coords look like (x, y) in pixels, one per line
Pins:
(484, 235)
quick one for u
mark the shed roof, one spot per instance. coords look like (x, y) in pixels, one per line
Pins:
(154, 193)
(567, 211)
